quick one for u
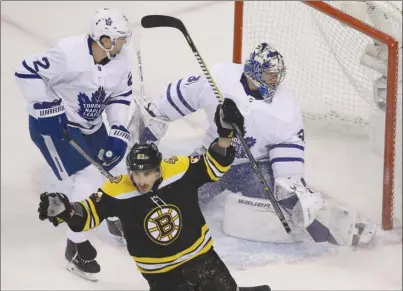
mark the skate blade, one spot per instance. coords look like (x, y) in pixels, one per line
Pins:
(88, 276)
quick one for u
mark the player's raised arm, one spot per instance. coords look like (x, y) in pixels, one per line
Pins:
(213, 164)
(179, 99)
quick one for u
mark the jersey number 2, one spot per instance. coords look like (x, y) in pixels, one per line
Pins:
(44, 65)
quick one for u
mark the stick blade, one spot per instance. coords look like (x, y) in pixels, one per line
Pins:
(150, 21)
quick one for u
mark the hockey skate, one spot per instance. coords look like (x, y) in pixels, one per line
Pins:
(115, 228)
(364, 233)
(81, 258)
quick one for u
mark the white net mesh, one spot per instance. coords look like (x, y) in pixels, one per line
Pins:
(324, 60)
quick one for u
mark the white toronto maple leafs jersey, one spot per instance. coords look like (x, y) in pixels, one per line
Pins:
(68, 72)
(274, 131)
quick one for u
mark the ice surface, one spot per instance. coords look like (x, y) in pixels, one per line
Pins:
(32, 252)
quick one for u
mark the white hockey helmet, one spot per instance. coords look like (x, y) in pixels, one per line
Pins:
(112, 23)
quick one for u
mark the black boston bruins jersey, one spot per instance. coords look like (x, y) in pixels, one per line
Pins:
(164, 229)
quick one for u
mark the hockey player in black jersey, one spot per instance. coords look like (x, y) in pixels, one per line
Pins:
(157, 204)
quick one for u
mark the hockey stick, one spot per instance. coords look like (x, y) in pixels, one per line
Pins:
(140, 71)
(151, 21)
(97, 165)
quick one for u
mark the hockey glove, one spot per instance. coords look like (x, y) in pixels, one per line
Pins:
(226, 114)
(52, 119)
(56, 207)
(152, 127)
(115, 147)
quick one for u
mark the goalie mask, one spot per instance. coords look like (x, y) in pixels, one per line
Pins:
(265, 67)
(109, 22)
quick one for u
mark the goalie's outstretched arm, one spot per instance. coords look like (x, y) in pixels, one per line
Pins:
(179, 99)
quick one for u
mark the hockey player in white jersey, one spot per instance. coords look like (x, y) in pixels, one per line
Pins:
(67, 89)
(275, 136)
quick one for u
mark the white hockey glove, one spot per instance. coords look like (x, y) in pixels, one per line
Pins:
(303, 204)
(151, 127)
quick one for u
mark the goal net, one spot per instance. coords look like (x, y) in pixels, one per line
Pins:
(342, 60)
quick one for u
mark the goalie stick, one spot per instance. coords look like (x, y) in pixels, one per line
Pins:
(151, 21)
(101, 169)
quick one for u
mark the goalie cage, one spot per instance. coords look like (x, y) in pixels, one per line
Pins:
(322, 44)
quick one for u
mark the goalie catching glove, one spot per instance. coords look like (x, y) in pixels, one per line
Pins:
(227, 114)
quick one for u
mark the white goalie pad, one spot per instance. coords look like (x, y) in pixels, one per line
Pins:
(254, 219)
(312, 217)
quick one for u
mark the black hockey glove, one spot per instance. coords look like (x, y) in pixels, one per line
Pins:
(226, 114)
(56, 207)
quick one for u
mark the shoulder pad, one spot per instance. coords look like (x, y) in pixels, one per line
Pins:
(174, 166)
(124, 186)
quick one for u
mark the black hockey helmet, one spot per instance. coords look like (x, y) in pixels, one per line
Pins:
(143, 156)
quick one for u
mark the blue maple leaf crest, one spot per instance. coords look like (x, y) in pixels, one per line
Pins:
(91, 108)
(108, 21)
(239, 152)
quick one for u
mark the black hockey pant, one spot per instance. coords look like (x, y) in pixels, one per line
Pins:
(204, 273)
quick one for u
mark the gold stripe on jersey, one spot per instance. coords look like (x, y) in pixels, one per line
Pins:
(173, 172)
(170, 170)
(124, 186)
(94, 214)
(87, 222)
(160, 265)
(209, 172)
(214, 169)
(219, 167)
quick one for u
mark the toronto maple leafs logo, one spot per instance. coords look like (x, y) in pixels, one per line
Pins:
(108, 21)
(239, 151)
(91, 108)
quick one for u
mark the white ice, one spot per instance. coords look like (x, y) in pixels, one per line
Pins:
(32, 252)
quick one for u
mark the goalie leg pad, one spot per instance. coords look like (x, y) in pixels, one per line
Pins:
(345, 226)
(254, 219)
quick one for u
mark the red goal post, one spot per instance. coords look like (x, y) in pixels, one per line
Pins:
(391, 98)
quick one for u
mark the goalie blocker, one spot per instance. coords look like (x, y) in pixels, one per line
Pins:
(311, 217)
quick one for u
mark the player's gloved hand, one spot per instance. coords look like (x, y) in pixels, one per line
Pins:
(56, 207)
(52, 119)
(115, 147)
(152, 127)
(226, 114)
